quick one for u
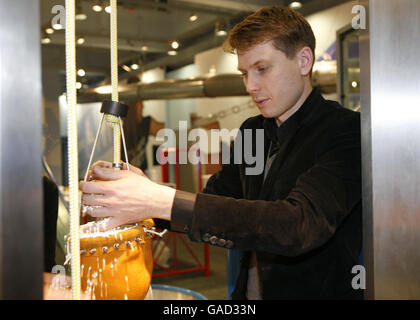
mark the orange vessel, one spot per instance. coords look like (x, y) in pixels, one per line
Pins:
(117, 265)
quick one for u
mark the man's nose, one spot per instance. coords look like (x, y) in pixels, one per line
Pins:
(251, 85)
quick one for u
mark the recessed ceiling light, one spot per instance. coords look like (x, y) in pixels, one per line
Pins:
(295, 5)
(221, 28)
(144, 48)
(126, 68)
(97, 8)
(80, 16)
(104, 90)
(172, 52)
(78, 85)
(193, 17)
(81, 72)
(134, 66)
(175, 44)
(81, 40)
(49, 30)
(108, 9)
(45, 40)
(57, 26)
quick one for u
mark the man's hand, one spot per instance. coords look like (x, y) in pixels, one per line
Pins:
(125, 196)
(106, 164)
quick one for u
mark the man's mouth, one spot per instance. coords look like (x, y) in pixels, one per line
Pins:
(261, 102)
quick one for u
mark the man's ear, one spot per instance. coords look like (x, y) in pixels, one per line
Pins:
(306, 59)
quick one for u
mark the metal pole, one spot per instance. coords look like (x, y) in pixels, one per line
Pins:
(390, 115)
(21, 213)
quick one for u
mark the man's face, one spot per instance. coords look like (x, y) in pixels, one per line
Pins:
(275, 82)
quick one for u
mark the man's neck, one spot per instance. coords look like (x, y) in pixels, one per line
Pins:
(305, 94)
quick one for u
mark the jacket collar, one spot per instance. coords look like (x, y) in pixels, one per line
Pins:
(280, 137)
(278, 134)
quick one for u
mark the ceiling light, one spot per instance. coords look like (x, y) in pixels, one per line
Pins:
(108, 9)
(144, 48)
(126, 68)
(175, 44)
(57, 26)
(45, 40)
(193, 17)
(354, 84)
(295, 5)
(134, 66)
(97, 8)
(172, 52)
(81, 40)
(78, 85)
(220, 29)
(104, 90)
(80, 15)
(49, 30)
(81, 72)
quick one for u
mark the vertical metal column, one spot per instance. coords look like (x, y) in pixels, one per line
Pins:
(21, 219)
(390, 109)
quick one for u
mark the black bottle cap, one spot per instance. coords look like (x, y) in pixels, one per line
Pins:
(115, 108)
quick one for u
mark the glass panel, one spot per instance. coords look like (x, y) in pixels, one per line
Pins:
(350, 70)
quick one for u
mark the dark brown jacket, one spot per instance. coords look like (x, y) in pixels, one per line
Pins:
(304, 222)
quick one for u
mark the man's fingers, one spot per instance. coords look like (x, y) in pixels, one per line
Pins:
(100, 212)
(134, 169)
(101, 164)
(111, 223)
(95, 200)
(138, 171)
(102, 226)
(98, 187)
(107, 174)
(92, 175)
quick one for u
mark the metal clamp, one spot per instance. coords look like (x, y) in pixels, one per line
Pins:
(117, 165)
(152, 231)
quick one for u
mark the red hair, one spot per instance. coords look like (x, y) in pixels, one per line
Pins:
(286, 27)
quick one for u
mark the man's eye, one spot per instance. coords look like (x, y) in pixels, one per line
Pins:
(244, 74)
(262, 69)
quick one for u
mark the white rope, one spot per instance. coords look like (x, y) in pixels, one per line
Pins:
(114, 80)
(73, 148)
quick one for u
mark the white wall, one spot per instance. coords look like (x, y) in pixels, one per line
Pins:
(154, 108)
(157, 110)
(216, 61)
(180, 109)
(326, 23)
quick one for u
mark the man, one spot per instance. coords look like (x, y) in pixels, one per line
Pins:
(300, 221)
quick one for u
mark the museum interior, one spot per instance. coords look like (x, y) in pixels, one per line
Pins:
(147, 83)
